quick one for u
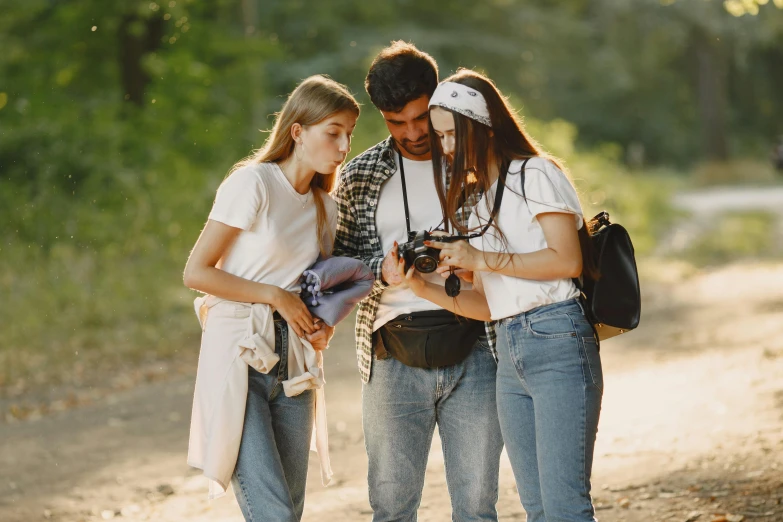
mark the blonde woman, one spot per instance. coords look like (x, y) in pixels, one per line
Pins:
(255, 400)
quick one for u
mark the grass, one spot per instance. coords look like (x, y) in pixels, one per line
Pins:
(736, 236)
(77, 316)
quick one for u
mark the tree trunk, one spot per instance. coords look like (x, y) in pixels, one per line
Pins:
(250, 19)
(134, 44)
(711, 90)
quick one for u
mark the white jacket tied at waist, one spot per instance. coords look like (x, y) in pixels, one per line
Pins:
(234, 336)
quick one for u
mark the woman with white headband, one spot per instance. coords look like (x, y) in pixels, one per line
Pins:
(528, 240)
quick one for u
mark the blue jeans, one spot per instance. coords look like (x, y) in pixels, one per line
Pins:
(271, 472)
(549, 390)
(401, 406)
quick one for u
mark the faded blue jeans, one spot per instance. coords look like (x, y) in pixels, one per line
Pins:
(401, 406)
(271, 472)
(549, 390)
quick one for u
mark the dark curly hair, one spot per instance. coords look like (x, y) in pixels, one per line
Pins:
(400, 74)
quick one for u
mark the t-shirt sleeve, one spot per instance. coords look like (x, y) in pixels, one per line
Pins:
(549, 190)
(239, 199)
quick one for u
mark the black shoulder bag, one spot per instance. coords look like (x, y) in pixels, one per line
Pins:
(613, 301)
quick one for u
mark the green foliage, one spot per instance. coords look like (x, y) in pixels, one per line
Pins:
(118, 120)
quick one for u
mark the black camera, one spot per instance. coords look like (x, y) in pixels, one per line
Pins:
(416, 253)
(424, 258)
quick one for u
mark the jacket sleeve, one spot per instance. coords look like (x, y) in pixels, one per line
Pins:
(348, 237)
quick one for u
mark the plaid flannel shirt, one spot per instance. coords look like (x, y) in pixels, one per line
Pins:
(357, 195)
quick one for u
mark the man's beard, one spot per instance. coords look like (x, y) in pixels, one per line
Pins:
(419, 150)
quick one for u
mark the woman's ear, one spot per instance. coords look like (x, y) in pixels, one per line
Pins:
(296, 132)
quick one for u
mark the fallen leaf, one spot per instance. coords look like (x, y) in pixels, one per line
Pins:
(18, 412)
(166, 490)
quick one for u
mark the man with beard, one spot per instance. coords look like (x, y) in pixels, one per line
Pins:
(413, 378)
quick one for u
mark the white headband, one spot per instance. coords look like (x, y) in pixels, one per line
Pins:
(462, 99)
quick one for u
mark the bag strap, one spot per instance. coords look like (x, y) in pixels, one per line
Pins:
(495, 209)
(501, 188)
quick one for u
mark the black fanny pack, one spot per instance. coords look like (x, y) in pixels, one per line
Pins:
(428, 339)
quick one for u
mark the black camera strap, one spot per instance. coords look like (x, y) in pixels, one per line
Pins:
(495, 208)
(499, 197)
(404, 195)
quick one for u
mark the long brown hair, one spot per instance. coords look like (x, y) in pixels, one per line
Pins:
(477, 145)
(313, 100)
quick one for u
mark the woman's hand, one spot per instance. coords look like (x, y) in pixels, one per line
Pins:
(320, 339)
(460, 254)
(412, 278)
(445, 272)
(295, 312)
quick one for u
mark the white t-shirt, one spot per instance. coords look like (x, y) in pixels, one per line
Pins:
(425, 214)
(547, 190)
(279, 239)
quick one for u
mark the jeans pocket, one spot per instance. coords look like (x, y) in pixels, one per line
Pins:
(593, 361)
(556, 326)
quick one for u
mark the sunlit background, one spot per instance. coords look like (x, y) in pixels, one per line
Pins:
(118, 120)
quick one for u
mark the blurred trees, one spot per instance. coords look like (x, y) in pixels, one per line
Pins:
(685, 81)
(132, 107)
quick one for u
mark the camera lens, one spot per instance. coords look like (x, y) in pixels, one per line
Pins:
(425, 264)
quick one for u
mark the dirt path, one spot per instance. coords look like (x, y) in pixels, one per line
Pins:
(692, 427)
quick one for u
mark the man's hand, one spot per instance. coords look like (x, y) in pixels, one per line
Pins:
(412, 278)
(389, 269)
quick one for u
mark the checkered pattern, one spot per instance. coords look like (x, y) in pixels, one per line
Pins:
(357, 196)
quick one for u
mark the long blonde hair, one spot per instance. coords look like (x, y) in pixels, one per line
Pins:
(313, 100)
